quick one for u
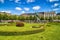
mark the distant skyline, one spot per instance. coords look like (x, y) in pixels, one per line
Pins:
(29, 6)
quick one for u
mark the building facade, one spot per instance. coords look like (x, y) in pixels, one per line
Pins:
(40, 14)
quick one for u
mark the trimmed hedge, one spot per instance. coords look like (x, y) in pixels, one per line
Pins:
(19, 24)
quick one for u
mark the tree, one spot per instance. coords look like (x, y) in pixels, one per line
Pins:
(0, 16)
(30, 18)
(15, 17)
(55, 17)
(58, 17)
(27, 18)
(10, 17)
(4, 16)
(42, 18)
(19, 17)
(34, 18)
(22, 18)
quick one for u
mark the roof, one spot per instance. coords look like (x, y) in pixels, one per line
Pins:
(33, 13)
(39, 13)
(58, 13)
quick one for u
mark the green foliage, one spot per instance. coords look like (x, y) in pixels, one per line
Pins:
(34, 18)
(42, 18)
(55, 17)
(19, 17)
(15, 17)
(46, 18)
(50, 18)
(6, 16)
(58, 17)
(30, 18)
(1, 16)
(27, 18)
(22, 18)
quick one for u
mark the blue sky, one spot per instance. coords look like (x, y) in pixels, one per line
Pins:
(28, 6)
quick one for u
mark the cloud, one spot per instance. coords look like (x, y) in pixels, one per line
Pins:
(56, 9)
(2, 1)
(6, 11)
(17, 1)
(36, 7)
(30, 1)
(53, 0)
(55, 5)
(23, 12)
(27, 9)
(18, 8)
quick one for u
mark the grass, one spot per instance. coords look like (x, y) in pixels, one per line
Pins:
(52, 32)
(18, 29)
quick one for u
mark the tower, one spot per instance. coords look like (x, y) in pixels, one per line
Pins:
(38, 19)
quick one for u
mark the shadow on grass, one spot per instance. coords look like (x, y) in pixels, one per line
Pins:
(20, 33)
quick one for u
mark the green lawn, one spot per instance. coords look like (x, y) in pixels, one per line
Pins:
(51, 32)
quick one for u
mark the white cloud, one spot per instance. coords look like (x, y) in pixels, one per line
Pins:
(27, 9)
(6, 11)
(36, 7)
(2, 1)
(30, 1)
(23, 12)
(56, 9)
(53, 0)
(18, 8)
(55, 5)
(17, 1)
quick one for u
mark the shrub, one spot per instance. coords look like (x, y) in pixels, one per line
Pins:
(11, 21)
(19, 24)
(10, 24)
(48, 25)
(35, 27)
(2, 24)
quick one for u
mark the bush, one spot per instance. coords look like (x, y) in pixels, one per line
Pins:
(35, 27)
(2, 24)
(10, 24)
(10, 21)
(48, 25)
(40, 26)
(19, 24)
